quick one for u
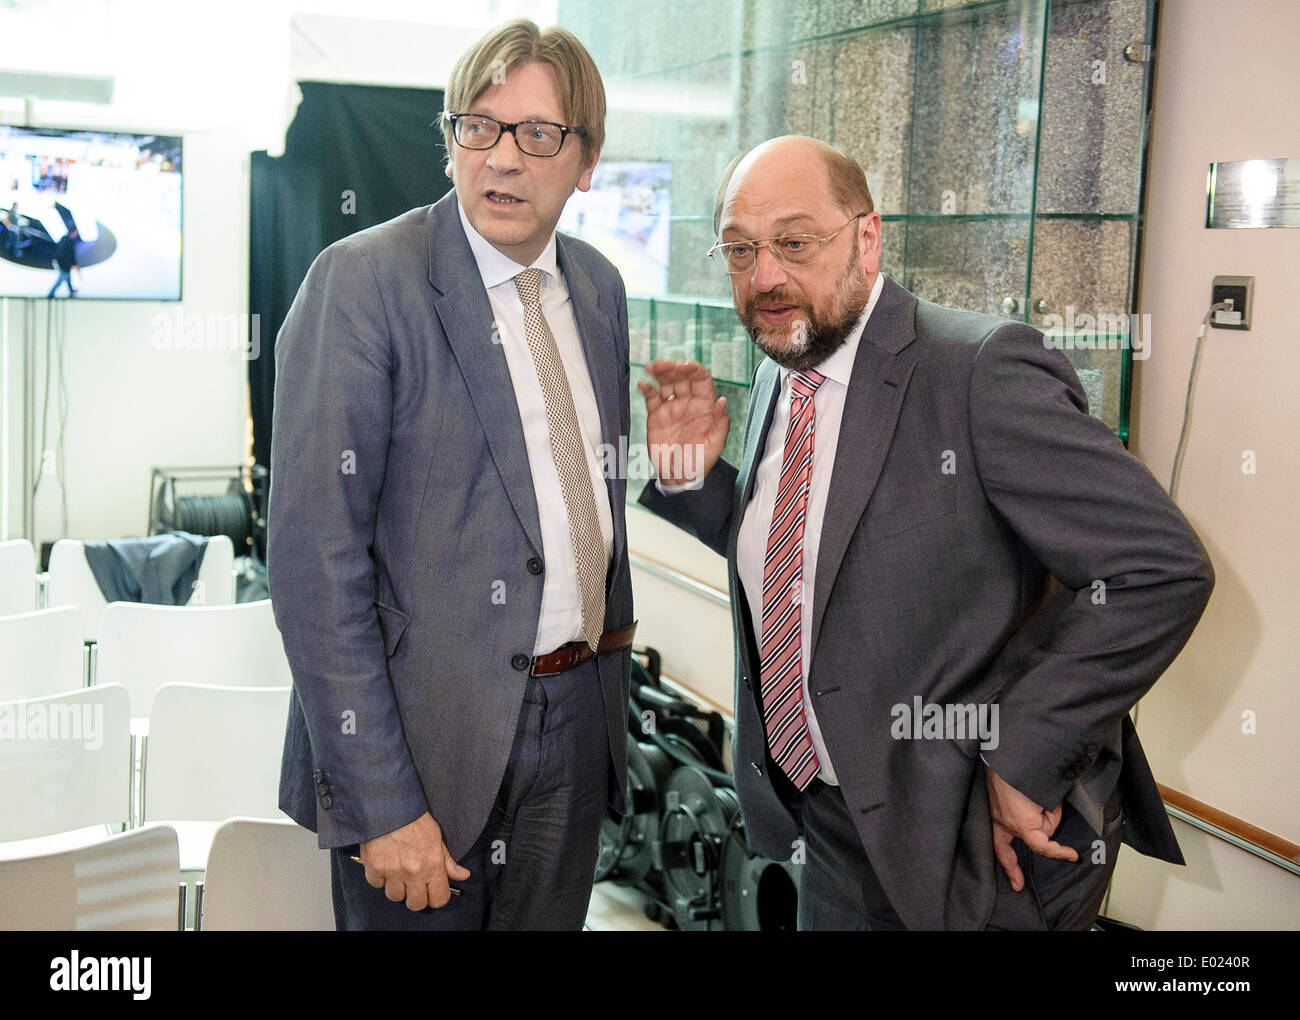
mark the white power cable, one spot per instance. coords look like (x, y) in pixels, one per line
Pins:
(1187, 405)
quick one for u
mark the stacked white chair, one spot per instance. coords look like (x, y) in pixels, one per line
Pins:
(17, 577)
(70, 581)
(265, 875)
(144, 647)
(212, 753)
(41, 653)
(128, 882)
(65, 768)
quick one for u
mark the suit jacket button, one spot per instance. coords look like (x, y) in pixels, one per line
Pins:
(326, 801)
(756, 767)
(534, 565)
(1091, 751)
(520, 661)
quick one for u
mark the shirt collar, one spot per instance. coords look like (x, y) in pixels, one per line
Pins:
(496, 268)
(839, 366)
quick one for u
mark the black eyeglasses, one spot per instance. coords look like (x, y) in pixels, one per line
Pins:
(539, 137)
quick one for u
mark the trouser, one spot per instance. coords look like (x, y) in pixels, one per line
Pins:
(1061, 895)
(533, 864)
(839, 889)
(65, 276)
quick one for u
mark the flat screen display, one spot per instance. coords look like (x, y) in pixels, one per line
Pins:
(89, 214)
(626, 216)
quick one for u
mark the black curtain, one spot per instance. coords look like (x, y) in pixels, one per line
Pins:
(355, 155)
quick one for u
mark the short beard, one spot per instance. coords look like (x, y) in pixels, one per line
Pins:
(811, 339)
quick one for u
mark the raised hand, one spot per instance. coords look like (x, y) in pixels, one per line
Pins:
(686, 422)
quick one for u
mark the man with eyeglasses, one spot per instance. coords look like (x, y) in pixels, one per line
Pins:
(447, 560)
(949, 583)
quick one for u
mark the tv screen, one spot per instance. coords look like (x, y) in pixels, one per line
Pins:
(626, 216)
(89, 214)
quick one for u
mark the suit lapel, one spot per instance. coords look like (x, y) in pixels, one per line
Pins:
(596, 333)
(762, 407)
(881, 371)
(462, 305)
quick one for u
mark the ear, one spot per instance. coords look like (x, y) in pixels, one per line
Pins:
(584, 182)
(869, 242)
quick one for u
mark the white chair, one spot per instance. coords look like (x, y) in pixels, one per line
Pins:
(128, 882)
(265, 875)
(17, 577)
(143, 647)
(212, 753)
(41, 653)
(65, 764)
(70, 581)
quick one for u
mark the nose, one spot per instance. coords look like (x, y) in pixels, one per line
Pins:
(506, 155)
(768, 272)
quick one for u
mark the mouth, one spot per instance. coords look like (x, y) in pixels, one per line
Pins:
(777, 314)
(503, 199)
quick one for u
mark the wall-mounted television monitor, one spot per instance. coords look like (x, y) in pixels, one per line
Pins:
(626, 215)
(106, 203)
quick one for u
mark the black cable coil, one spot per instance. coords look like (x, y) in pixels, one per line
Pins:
(229, 514)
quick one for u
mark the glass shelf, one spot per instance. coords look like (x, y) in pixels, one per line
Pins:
(1002, 140)
(691, 329)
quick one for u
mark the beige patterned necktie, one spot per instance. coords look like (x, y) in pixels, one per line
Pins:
(570, 460)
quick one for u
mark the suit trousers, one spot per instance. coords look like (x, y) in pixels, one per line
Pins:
(839, 890)
(1061, 895)
(533, 865)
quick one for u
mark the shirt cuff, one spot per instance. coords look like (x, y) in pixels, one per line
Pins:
(672, 490)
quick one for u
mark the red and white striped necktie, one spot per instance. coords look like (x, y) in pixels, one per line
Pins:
(781, 665)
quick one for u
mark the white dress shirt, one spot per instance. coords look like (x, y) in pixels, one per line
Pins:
(751, 545)
(561, 617)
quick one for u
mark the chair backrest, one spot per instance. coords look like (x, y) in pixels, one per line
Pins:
(71, 582)
(128, 882)
(65, 762)
(17, 577)
(266, 875)
(41, 653)
(214, 753)
(143, 647)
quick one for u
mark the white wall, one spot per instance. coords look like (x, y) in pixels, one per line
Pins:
(1225, 90)
(1219, 88)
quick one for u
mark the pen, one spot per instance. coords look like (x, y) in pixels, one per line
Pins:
(452, 889)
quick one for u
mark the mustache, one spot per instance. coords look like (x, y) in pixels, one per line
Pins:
(774, 297)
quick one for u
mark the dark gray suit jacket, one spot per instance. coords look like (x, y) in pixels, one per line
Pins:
(968, 474)
(404, 550)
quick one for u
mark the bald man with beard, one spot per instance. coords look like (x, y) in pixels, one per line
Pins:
(931, 699)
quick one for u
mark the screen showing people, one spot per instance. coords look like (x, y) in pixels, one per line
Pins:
(89, 214)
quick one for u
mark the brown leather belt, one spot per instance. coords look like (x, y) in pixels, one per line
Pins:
(575, 653)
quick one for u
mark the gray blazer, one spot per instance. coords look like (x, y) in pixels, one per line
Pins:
(404, 552)
(968, 474)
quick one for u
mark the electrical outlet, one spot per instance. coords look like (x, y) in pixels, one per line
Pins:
(1240, 292)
